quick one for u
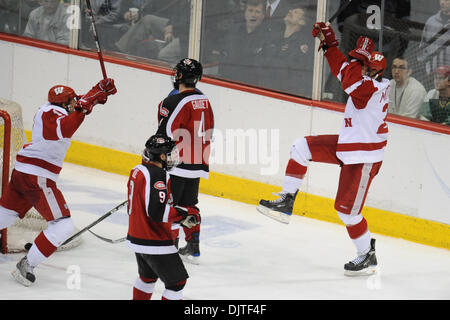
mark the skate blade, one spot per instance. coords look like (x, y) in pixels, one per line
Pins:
(21, 279)
(361, 273)
(276, 215)
(190, 259)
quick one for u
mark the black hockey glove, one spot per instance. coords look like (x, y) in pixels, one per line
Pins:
(190, 216)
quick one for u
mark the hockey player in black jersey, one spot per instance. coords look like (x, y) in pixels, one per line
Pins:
(187, 118)
(151, 217)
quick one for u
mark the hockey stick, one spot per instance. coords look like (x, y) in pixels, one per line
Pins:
(103, 217)
(108, 240)
(97, 41)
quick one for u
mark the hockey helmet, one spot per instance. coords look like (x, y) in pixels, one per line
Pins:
(187, 71)
(161, 144)
(364, 47)
(377, 62)
(61, 94)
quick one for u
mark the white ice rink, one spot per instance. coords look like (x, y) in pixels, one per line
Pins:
(244, 256)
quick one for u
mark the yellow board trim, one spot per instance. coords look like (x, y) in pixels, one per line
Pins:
(248, 191)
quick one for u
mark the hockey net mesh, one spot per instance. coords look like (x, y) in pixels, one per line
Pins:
(24, 230)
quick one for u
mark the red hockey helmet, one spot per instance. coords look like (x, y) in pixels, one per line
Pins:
(377, 62)
(60, 94)
(363, 50)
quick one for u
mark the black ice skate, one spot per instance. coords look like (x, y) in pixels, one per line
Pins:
(279, 209)
(191, 251)
(24, 273)
(363, 265)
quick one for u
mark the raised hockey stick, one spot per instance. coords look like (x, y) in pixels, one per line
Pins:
(97, 41)
(103, 217)
(108, 240)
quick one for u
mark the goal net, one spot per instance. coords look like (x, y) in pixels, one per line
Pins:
(12, 138)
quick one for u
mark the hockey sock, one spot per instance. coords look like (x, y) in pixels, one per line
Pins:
(297, 166)
(192, 233)
(41, 249)
(295, 172)
(49, 240)
(358, 231)
(143, 288)
(174, 292)
(291, 184)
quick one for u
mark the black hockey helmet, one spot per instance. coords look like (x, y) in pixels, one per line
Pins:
(187, 71)
(161, 144)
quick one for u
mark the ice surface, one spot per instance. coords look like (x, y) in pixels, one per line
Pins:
(244, 256)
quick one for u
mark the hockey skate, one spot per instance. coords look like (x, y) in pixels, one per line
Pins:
(191, 252)
(24, 273)
(363, 265)
(279, 209)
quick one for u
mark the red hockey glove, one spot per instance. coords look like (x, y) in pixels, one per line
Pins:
(363, 50)
(108, 86)
(190, 216)
(87, 102)
(325, 34)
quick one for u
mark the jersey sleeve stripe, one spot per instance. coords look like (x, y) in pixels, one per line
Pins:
(146, 174)
(178, 109)
(166, 213)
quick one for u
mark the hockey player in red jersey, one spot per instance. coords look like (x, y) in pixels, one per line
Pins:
(358, 149)
(187, 117)
(38, 164)
(151, 217)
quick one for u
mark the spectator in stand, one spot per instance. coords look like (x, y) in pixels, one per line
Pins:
(406, 93)
(131, 11)
(219, 17)
(14, 16)
(436, 106)
(107, 22)
(434, 42)
(275, 12)
(289, 57)
(163, 35)
(241, 58)
(49, 23)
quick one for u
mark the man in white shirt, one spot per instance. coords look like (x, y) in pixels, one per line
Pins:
(406, 93)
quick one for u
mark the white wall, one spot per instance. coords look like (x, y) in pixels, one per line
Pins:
(414, 178)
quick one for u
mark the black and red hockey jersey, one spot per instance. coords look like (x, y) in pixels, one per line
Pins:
(188, 118)
(150, 215)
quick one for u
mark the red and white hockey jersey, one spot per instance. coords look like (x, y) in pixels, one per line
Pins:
(150, 214)
(188, 118)
(53, 129)
(364, 132)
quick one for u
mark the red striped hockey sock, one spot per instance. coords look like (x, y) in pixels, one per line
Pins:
(143, 288)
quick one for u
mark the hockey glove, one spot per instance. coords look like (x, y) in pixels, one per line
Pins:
(87, 102)
(325, 34)
(107, 85)
(190, 216)
(363, 50)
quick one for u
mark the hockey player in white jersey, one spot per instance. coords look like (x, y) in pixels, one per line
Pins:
(358, 149)
(38, 164)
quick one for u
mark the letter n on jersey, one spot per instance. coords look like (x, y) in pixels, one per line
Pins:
(348, 122)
